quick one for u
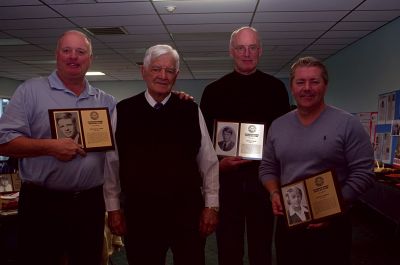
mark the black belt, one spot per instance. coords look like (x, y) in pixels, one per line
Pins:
(32, 187)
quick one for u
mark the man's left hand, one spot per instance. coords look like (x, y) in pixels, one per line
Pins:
(318, 225)
(208, 221)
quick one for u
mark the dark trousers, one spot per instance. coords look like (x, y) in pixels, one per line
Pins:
(329, 246)
(158, 224)
(54, 225)
(243, 210)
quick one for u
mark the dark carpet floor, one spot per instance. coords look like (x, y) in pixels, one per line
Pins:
(376, 241)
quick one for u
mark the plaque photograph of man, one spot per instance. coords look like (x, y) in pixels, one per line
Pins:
(227, 141)
(297, 210)
(67, 126)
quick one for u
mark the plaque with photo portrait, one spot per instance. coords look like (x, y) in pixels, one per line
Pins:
(313, 199)
(88, 127)
(6, 184)
(239, 139)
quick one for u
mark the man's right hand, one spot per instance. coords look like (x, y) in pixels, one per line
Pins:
(230, 163)
(66, 149)
(276, 201)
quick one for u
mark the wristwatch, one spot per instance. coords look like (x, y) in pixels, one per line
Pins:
(216, 209)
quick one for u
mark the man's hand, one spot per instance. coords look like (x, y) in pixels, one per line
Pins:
(318, 225)
(66, 149)
(116, 222)
(276, 201)
(184, 96)
(208, 221)
(230, 163)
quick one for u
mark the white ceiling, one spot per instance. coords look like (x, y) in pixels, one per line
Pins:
(199, 29)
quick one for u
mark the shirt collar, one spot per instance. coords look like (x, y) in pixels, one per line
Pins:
(151, 100)
(302, 212)
(56, 83)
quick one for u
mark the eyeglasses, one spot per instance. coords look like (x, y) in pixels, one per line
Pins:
(251, 48)
(79, 52)
(158, 69)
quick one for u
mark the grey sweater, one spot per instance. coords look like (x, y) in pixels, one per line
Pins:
(335, 140)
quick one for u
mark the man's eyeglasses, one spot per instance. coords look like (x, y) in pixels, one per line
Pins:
(79, 51)
(158, 69)
(251, 48)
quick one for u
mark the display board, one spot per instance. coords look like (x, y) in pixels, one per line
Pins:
(387, 137)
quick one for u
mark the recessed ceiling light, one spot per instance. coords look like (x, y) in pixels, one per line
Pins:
(170, 9)
(95, 73)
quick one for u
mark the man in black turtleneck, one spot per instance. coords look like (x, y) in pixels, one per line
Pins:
(245, 95)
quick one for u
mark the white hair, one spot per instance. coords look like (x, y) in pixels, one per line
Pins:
(158, 50)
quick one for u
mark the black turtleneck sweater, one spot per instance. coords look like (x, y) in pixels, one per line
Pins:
(258, 98)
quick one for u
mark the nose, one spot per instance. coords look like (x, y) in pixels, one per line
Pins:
(73, 54)
(163, 73)
(307, 85)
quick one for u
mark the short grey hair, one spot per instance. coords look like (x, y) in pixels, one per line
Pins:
(234, 33)
(157, 51)
(309, 61)
(78, 33)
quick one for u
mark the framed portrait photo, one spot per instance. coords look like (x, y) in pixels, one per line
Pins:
(226, 138)
(312, 200)
(6, 184)
(297, 209)
(88, 127)
(239, 139)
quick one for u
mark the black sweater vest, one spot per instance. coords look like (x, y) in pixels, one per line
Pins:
(158, 148)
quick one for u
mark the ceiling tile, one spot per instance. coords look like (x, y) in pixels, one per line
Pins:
(203, 28)
(301, 16)
(188, 19)
(380, 5)
(384, 15)
(307, 5)
(294, 26)
(16, 12)
(19, 2)
(368, 25)
(117, 21)
(105, 9)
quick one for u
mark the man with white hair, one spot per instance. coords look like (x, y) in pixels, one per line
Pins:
(168, 170)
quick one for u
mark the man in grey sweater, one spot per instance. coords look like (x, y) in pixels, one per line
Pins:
(313, 138)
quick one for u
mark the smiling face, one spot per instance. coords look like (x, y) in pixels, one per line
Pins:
(246, 51)
(308, 88)
(67, 127)
(160, 76)
(74, 56)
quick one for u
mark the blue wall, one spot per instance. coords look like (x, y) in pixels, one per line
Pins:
(369, 67)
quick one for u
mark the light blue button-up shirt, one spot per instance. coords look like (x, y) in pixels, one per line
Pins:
(27, 115)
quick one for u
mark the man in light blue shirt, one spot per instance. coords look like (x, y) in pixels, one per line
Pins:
(61, 203)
